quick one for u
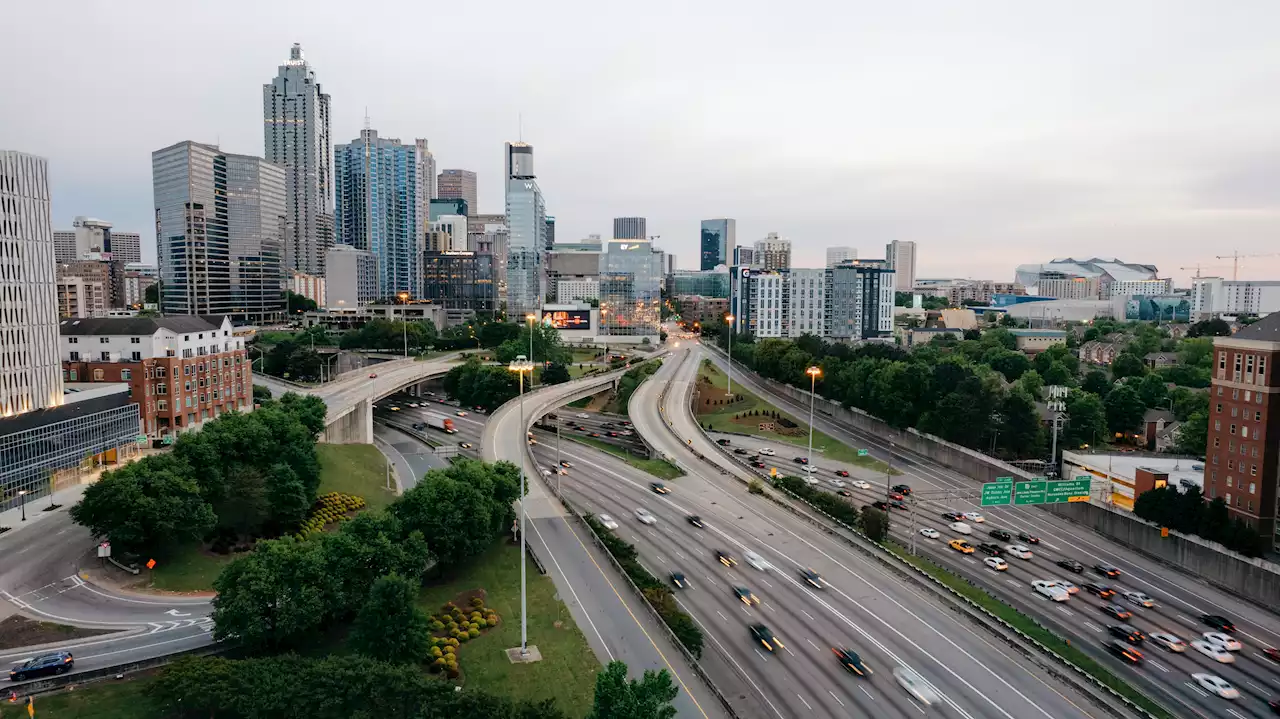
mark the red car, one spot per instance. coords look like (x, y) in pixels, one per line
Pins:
(842, 473)
(895, 496)
(1272, 653)
(373, 375)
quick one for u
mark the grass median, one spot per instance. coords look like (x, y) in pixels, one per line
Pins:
(660, 468)
(1031, 628)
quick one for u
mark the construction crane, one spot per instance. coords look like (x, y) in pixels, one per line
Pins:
(1198, 267)
(1235, 261)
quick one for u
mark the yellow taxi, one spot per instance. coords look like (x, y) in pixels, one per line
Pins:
(961, 546)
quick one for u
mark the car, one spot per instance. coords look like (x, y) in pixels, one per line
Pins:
(991, 549)
(952, 516)
(739, 450)
(566, 464)
(861, 484)
(813, 579)
(1217, 621)
(881, 505)
(659, 488)
(465, 445)
(902, 489)
(583, 415)
(726, 559)
(1018, 551)
(746, 596)
(395, 408)
(758, 464)
(721, 442)
(1001, 534)
(811, 469)
(996, 563)
(413, 404)
(1102, 590)
(1050, 590)
(1071, 588)
(609, 425)
(845, 493)
(1127, 632)
(1028, 538)
(1274, 704)
(645, 517)
(1227, 641)
(960, 528)
(930, 533)
(1217, 685)
(593, 434)
(800, 460)
(460, 413)
(975, 517)
(961, 546)
(419, 425)
(898, 504)
(1070, 565)
(611, 434)
(1125, 652)
(373, 375)
(677, 578)
(1116, 611)
(766, 451)
(895, 495)
(851, 661)
(696, 521)
(755, 561)
(545, 472)
(1106, 570)
(1139, 599)
(916, 686)
(842, 473)
(1272, 653)
(762, 634)
(753, 458)
(607, 521)
(1168, 641)
(43, 665)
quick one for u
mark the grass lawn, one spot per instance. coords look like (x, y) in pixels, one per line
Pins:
(122, 699)
(660, 468)
(721, 417)
(567, 672)
(580, 355)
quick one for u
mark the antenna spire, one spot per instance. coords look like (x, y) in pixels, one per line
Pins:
(366, 117)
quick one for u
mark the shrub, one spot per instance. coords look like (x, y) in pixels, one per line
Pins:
(462, 637)
(475, 616)
(453, 642)
(755, 486)
(450, 650)
(436, 653)
(492, 619)
(473, 633)
(480, 623)
(477, 602)
(437, 626)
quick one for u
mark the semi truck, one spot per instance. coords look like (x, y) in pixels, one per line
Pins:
(440, 422)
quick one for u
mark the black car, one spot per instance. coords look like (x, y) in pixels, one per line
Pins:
(1106, 570)
(1028, 538)
(1125, 652)
(1001, 534)
(842, 473)
(1116, 611)
(761, 634)
(696, 521)
(812, 578)
(739, 450)
(952, 516)
(844, 493)
(43, 665)
(989, 548)
(723, 442)
(880, 504)
(677, 578)
(852, 662)
(725, 559)
(758, 464)
(1275, 706)
(1102, 590)
(611, 434)
(1071, 564)
(902, 489)
(746, 596)
(659, 488)
(800, 460)
(753, 458)
(1127, 632)
(1219, 622)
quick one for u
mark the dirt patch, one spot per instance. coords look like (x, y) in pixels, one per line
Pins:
(19, 631)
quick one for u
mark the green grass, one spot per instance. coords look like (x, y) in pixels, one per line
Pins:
(660, 468)
(123, 699)
(189, 568)
(1031, 628)
(358, 469)
(567, 672)
(722, 418)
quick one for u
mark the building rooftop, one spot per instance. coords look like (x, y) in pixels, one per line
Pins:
(1038, 333)
(1266, 329)
(1124, 466)
(138, 325)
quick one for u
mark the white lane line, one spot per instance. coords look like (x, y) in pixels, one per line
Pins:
(722, 616)
(810, 616)
(1092, 626)
(713, 582)
(766, 582)
(869, 694)
(681, 554)
(1066, 611)
(547, 548)
(730, 657)
(1255, 686)
(815, 646)
(769, 607)
(1014, 582)
(1233, 711)
(1158, 665)
(1196, 689)
(806, 704)
(745, 610)
(144, 646)
(762, 656)
(784, 646)
(833, 696)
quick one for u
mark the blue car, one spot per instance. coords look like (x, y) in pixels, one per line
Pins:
(45, 664)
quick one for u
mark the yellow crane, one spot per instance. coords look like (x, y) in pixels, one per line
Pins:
(1235, 261)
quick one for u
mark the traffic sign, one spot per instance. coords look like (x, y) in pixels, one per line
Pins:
(863, 453)
(1029, 492)
(140, 439)
(994, 493)
(1068, 490)
(1006, 480)
(151, 564)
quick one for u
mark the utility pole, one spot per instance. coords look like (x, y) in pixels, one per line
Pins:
(888, 471)
(558, 466)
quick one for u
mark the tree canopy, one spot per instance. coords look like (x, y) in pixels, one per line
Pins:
(618, 697)
(391, 336)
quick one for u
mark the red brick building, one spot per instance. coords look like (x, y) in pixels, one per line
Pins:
(1243, 454)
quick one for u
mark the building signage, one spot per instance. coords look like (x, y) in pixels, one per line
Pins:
(567, 319)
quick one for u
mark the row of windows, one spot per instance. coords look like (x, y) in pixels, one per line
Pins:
(1246, 363)
(1235, 411)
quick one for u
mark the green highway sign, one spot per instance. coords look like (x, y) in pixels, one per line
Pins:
(994, 493)
(1068, 490)
(863, 453)
(1032, 492)
(1006, 480)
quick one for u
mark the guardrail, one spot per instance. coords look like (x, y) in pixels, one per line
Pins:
(58, 683)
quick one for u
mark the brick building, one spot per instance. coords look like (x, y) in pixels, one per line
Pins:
(181, 371)
(1243, 454)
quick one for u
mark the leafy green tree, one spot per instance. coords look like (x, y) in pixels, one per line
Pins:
(1125, 409)
(1193, 434)
(1152, 390)
(874, 523)
(261, 394)
(1186, 402)
(479, 385)
(1057, 374)
(1127, 364)
(1216, 327)
(151, 295)
(369, 546)
(547, 346)
(1096, 381)
(1031, 383)
(1060, 354)
(298, 303)
(1009, 363)
(1196, 352)
(274, 597)
(293, 361)
(555, 373)
(1184, 376)
(150, 504)
(1021, 434)
(1086, 420)
(391, 336)
(1000, 337)
(617, 697)
(460, 509)
(310, 410)
(390, 626)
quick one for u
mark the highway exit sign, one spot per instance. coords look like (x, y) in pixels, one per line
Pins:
(1068, 490)
(863, 453)
(1032, 492)
(997, 492)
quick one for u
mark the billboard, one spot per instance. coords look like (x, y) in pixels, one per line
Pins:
(1159, 308)
(567, 319)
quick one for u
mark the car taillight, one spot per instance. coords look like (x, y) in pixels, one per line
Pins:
(67, 660)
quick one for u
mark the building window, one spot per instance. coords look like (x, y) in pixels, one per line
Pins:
(104, 340)
(1219, 390)
(162, 388)
(126, 374)
(1231, 464)
(1222, 360)
(135, 340)
(1235, 411)
(1255, 433)
(73, 340)
(75, 356)
(1247, 395)
(1257, 416)
(1253, 472)
(1217, 425)
(159, 372)
(1215, 441)
(1231, 446)
(1233, 429)
(1218, 409)
(162, 405)
(1235, 394)
(98, 375)
(106, 356)
(1228, 498)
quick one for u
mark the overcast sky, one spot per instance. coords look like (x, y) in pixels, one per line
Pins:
(992, 133)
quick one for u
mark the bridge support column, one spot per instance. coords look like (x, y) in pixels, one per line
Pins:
(354, 427)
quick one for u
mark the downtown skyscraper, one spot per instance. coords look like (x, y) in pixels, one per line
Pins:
(718, 242)
(295, 130)
(527, 241)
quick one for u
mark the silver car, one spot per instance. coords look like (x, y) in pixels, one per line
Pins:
(916, 686)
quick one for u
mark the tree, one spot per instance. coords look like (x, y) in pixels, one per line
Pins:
(274, 597)
(874, 523)
(1021, 434)
(555, 373)
(1086, 420)
(1196, 352)
(370, 546)
(1057, 374)
(1009, 363)
(292, 360)
(151, 295)
(1186, 402)
(1153, 391)
(617, 697)
(1127, 364)
(1216, 327)
(1096, 382)
(1031, 383)
(261, 394)
(390, 625)
(460, 509)
(547, 346)
(298, 303)
(1124, 409)
(1000, 337)
(149, 505)
(1193, 434)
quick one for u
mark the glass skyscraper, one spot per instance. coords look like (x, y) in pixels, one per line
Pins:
(526, 243)
(630, 294)
(719, 238)
(382, 206)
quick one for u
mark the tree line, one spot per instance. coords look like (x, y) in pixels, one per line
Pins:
(1186, 511)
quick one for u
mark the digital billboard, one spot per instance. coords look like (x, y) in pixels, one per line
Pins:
(567, 319)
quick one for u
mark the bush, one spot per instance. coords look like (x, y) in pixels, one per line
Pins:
(473, 633)
(477, 602)
(436, 653)
(755, 486)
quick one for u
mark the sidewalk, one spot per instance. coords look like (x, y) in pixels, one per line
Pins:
(66, 497)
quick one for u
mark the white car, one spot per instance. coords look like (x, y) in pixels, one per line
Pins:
(607, 521)
(1217, 685)
(755, 561)
(810, 468)
(996, 563)
(916, 686)
(930, 532)
(1213, 650)
(766, 451)
(546, 472)
(1168, 641)
(1071, 588)
(1140, 599)
(810, 480)
(644, 516)
(960, 528)
(1227, 641)
(583, 415)
(1019, 551)
(860, 484)
(1050, 590)
(837, 483)
(975, 517)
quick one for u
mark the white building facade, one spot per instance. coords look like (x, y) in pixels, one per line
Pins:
(1212, 296)
(807, 290)
(577, 289)
(1148, 288)
(901, 256)
(836, 255)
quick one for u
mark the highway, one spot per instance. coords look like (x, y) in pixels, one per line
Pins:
(862, 607)
(1179, 600)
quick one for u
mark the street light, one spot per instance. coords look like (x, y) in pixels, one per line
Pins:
(729, 319)
(23, 495)
(520, 365)
(814, 373)
(404, 321)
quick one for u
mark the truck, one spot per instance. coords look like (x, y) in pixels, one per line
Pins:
(440, 422)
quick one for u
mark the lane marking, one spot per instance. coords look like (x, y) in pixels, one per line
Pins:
(722, 616)
(806, 704)
(725, 653)
(815, 646)
(833, 696)
(869, 695)
(144, 646)
(810, 616)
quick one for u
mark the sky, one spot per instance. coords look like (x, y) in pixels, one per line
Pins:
(991, 133)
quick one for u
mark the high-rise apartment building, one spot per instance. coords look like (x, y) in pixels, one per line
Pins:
(85, 288)
(351, 277)
(718, 242)
(220, 225)
(30, 373)
(447, 233)
(452, 206)
(94, 236)
(138, 278)
(773, 252)
(901, 256)
(382, 206)
(629, 228)
(836, 255)
(295, 130)
(630, 295)
(1213, 296)
(551, 234)
(852, 301)
(744, 256)
(859, 300)
(527, 233)
(457, 185)
(460, 280)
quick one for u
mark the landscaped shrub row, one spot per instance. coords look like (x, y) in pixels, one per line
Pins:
(655, 592)
(829, 503)
(329, 508)
(460, 627)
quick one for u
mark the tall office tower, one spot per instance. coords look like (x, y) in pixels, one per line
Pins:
(94, 236)
(719, 239)
(519, 160)
(901, 256)
(428, 173)
(452, 206)
(30, 370)
(221, 221)
(773, 252)
(447, 233)
(630, 295)
(351, 277)
(526, 245)
(551, 233)
(744, 256)
(836, 255)
(629, 228)
(457, 185)
(295, 130)
(382, 206)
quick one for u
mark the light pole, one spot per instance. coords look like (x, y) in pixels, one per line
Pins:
(520, 365)
(729, 319)
(530, 319)
(558, 465)
(404, 322)
(23, 495)
(813, 373)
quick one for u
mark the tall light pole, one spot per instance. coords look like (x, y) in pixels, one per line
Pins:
(530, 318)
(404, 322)
(729, 319)
(813, 373)
(520, 365)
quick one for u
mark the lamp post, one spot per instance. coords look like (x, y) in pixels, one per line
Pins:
(23, 495)
(530, 318)
(404, 321)
(813, 373)
(520, 365)
(729, 319)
